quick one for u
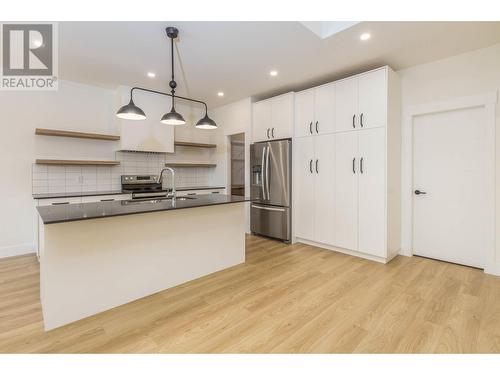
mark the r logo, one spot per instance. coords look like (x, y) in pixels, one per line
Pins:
(27, 49)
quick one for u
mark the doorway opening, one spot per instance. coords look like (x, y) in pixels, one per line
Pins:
(237, 161)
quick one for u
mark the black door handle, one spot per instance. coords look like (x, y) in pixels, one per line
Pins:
(353, 165)
(317, 131)
(317, 171)
(311, 127)
(354, 121)
(311, 166)
(418, 192)
(361, 120)
(361, 165)
(272, 132)
(267, 133)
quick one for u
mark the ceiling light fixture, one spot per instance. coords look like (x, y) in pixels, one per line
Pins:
(220, 93)
(273, 73)
(365, 36)
(151, 75)
(132, 112)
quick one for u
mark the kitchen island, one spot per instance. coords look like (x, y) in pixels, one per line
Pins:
(96, 256)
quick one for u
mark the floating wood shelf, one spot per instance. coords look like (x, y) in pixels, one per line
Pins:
(77, 162)
(72, 134)
(193, 144)
(191, 165)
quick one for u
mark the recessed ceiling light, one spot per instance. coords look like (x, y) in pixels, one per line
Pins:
(36, 43)
(273, 73)
(151, 75)
(220, 93)
(365, 36)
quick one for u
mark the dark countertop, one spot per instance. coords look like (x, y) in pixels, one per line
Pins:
(96, 210)
(112, 192)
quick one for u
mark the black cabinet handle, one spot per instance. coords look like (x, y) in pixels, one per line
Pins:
(418, 192)
(311, 127)
(361, 165)
(267, 133)
(353, 165)
(354, 121)
(59, 203)
(317, 131)
(317, 161)
(311, 166)
(107, 200)
(272, 132)
(361, 120)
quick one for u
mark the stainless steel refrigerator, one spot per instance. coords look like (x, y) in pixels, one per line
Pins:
(270, 189)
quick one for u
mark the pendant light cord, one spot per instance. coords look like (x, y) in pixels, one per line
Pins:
(173, 78)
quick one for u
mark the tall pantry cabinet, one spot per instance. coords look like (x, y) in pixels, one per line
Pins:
(347, 165)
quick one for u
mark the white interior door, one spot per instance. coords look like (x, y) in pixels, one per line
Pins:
(324, 187)
(346, 104)
(372, 192)
(304, 187)
(304, 113)
(324, 109)
(346, 190)
(449, 158)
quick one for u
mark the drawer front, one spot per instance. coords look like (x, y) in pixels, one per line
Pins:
(106, 198)
(270, 221)
(58, 201)
(200, 192)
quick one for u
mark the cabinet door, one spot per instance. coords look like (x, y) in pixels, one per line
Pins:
(282, 116)
(346, 190)
(324, 189)
(372, 197)
(324, 109)
(373, 99)
(346, 104)
(261, 122)
(304, 187)
(304, 113)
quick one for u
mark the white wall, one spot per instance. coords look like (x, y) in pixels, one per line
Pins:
(74, 107)
(234, 118)
(472, 73)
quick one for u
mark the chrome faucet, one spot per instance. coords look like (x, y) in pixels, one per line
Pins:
(160, 180)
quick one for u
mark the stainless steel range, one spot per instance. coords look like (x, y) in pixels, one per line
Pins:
(143, 186)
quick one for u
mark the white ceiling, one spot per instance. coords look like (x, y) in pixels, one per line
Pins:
(236, 57)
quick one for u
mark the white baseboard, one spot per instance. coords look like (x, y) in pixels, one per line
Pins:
(22, 249)
(493, 269)
(345, 251)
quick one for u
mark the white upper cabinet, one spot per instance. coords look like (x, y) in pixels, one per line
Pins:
(273, 118)
(261, 121)
(346, 104)
(315, 111)
(324, 109)
(372, 99)
(304, 113)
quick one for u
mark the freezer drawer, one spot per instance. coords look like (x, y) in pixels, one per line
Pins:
(272, 221)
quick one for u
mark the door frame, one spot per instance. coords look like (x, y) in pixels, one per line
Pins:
(486, 101)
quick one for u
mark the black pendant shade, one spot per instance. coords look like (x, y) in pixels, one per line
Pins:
(131, 112)
(206, 123)
(172, 118)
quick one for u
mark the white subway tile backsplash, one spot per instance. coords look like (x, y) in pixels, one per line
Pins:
(59, 179)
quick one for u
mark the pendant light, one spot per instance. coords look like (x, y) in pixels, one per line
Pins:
(132, 112)
(172, 117)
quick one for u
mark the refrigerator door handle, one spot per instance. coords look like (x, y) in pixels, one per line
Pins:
(263, 167)
(267, 173)
(268, 208)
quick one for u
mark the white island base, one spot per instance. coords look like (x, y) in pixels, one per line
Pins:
(90, 266)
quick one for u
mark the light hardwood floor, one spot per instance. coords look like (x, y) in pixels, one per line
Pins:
(285, 299)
